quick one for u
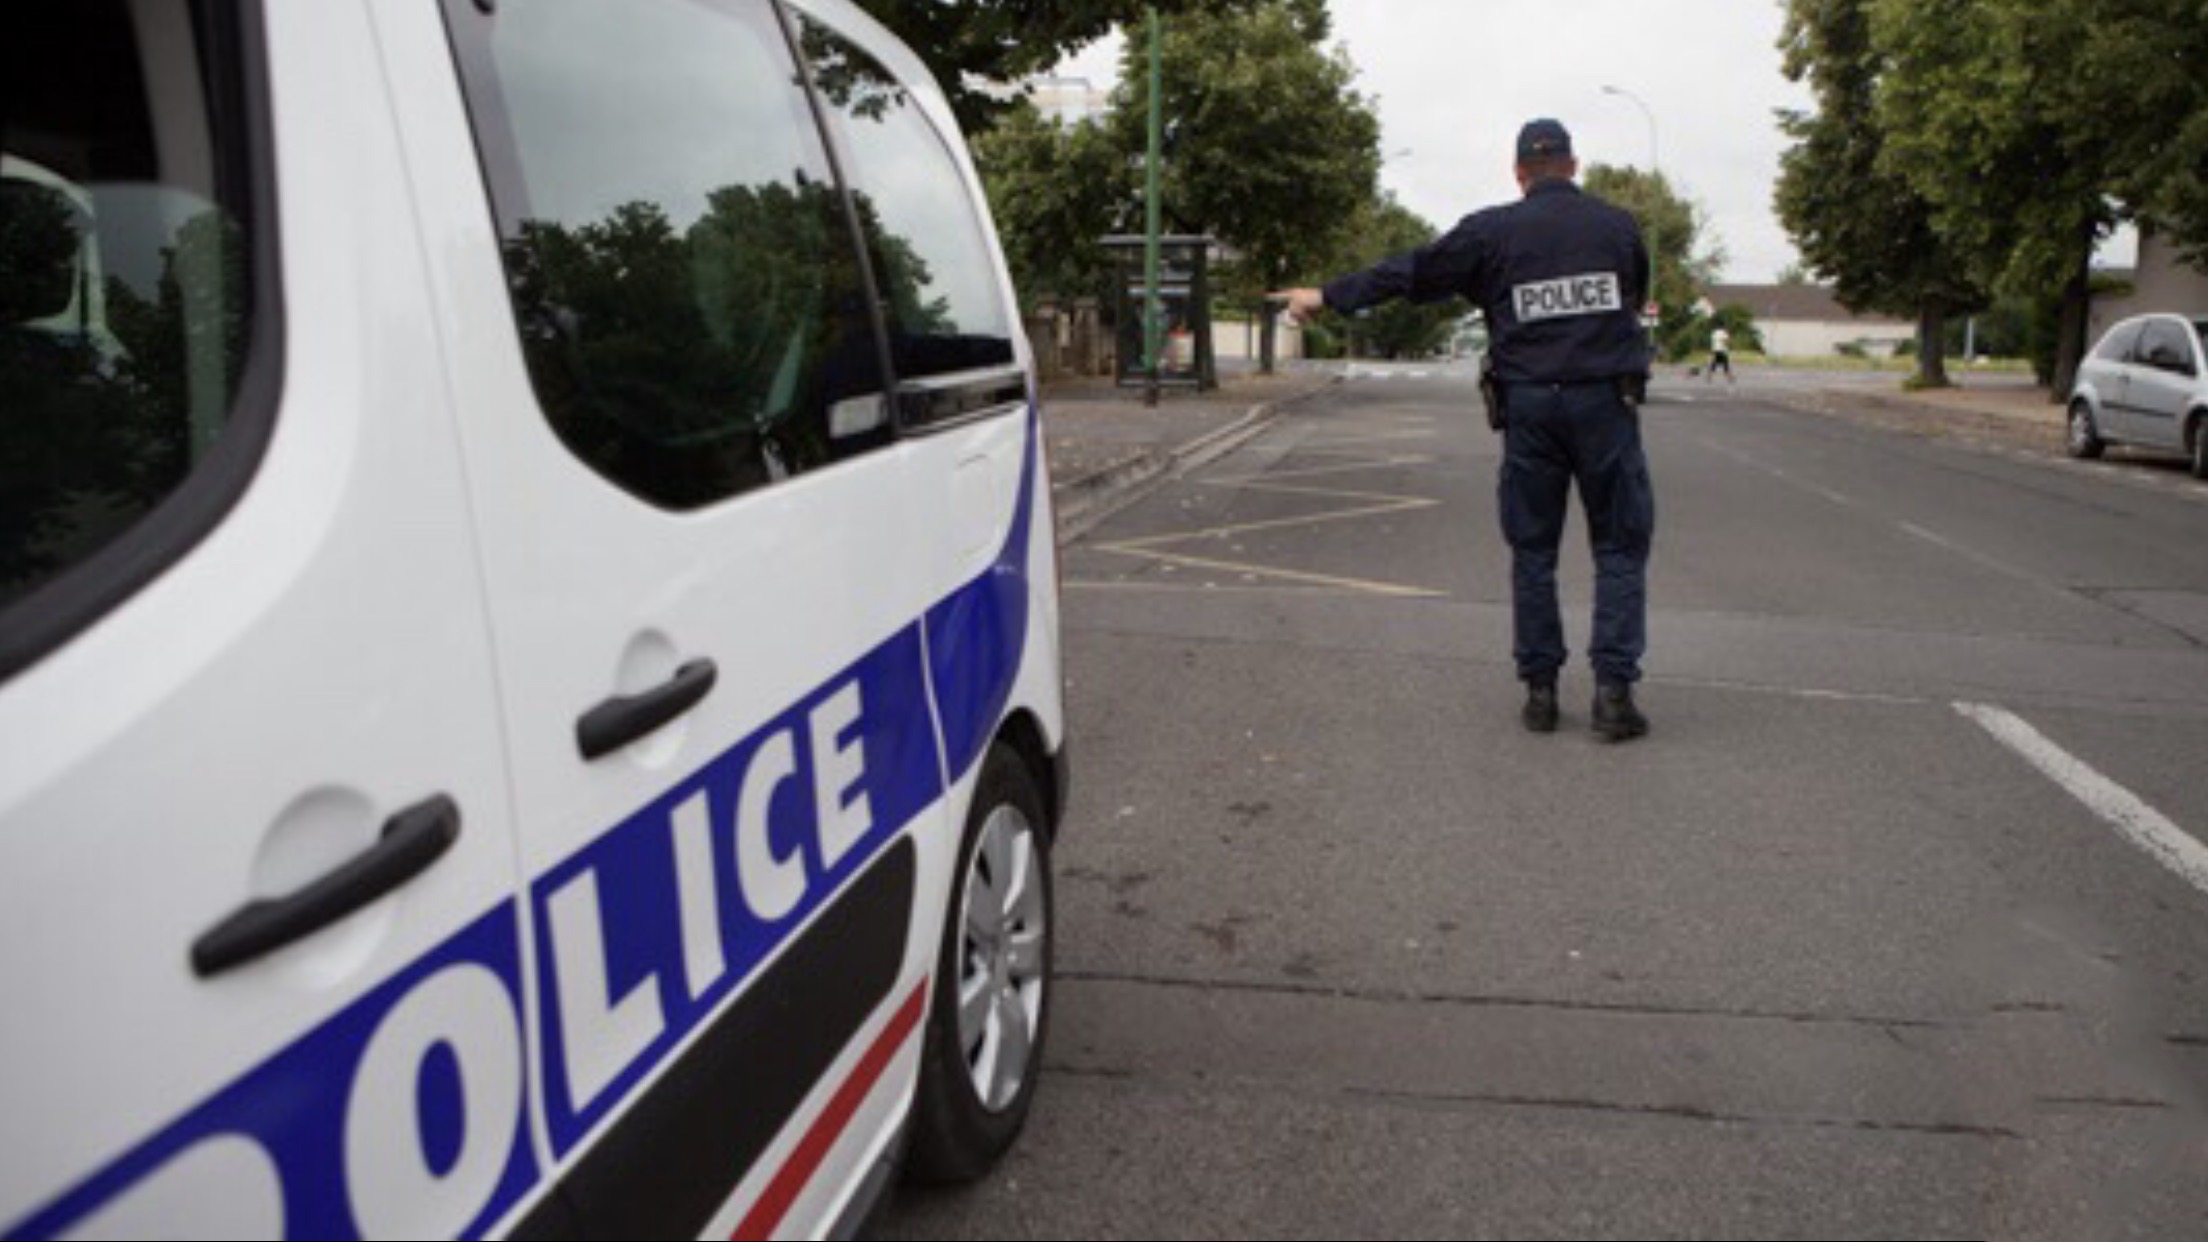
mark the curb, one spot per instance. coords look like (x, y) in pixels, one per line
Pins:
(1085, 502)
(1936, 416)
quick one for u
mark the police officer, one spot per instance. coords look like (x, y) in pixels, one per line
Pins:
(1560, 276)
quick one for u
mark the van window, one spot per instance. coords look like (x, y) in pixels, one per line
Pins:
(126, 276)
(938, 277)
(683, 275)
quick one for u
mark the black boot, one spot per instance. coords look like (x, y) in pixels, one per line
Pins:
(1540, 710)
(1615, 716)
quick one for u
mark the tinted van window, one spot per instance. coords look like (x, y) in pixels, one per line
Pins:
(930, 255)
(684, 276)
(126, 302)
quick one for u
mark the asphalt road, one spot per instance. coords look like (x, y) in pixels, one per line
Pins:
(1866, 940)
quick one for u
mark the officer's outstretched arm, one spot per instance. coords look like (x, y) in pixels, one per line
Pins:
(1442, 268)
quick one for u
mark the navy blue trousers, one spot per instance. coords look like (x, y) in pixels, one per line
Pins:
(1554, 435)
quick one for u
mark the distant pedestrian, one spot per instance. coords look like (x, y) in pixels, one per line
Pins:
(1560, 276)
(1721, 354)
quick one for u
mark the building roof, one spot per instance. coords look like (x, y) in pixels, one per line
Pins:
(1791, 303)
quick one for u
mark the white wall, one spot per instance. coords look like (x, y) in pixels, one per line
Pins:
(1822, 338)
(1239, 340)
(2163, 283)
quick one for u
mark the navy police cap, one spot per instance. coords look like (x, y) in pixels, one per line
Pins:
(1543, 139)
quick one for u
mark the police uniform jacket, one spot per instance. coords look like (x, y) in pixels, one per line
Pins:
(1560, 275)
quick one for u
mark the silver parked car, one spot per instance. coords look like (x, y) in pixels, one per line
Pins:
(2145, 384)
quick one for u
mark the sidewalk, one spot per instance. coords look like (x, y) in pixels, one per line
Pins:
(1105, 446)
(2013, 397)
(2002, 408)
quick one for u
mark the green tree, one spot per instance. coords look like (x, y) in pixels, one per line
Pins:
(1270, 147)
(1855, 219)
(2151, 53)
(1740, 322)
(2036, 125)
(1395, 329)
(2102, 101)
(974, 42)
(1054, 191)
(1672, 228)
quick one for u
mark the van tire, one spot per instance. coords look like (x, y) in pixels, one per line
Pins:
(957, 1136)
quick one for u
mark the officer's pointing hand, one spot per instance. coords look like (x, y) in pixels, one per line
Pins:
(1301, 305)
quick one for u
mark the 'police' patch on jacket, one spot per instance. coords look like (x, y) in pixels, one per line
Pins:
(1591, 294)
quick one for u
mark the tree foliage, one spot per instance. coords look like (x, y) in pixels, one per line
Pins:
(2153, 53)
(974, 43)
(1269, 147)
(1055, 190)
(1740, 322)
(1395, 329)
(1981, 111)
(2019, 132)
(1673, 230)
(1855, 218)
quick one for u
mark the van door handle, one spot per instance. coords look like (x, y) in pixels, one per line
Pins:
(412, 840)
(623, 719)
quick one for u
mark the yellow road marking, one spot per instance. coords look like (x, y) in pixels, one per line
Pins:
(1347, 467)
(1398, 504)
(1364, 586)
(1366, 505)
(1382, 437)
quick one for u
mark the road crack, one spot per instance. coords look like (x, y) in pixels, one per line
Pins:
(1387, 996)
(1686, 1112)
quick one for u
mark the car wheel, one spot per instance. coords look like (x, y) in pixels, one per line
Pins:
(2200, 446)
(2084, 438)
(984, 1044)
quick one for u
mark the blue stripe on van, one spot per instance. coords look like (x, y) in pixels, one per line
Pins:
(635, 868)
(978, 635)
(294, 1106)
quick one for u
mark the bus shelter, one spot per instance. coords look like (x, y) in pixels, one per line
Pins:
(1185, 357)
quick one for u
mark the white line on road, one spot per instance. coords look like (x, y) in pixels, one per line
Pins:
(2139, 823)
(1969, 554)
(1781, 474)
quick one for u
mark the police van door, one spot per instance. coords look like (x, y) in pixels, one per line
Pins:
(706, 592)
(258, 936)
(962, 391)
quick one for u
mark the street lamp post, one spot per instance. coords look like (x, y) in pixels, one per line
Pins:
(1656, 172)
(1153, 302)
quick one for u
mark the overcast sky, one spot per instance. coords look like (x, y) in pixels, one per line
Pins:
(1455, 78)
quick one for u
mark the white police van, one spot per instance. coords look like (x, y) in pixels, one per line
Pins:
(529, 688)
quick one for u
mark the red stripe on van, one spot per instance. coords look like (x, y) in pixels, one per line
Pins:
(760, 1222)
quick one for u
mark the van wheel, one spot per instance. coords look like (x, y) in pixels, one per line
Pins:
(2084, 438)
(991, 1006)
